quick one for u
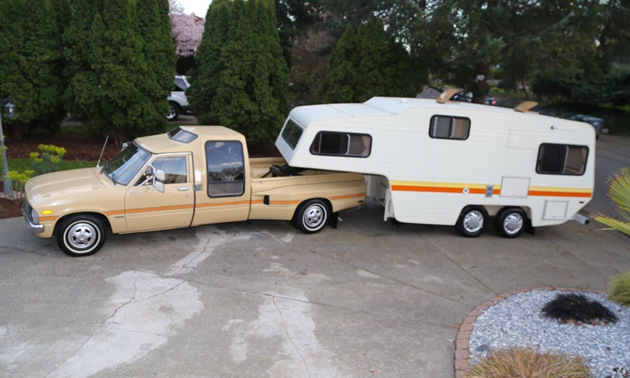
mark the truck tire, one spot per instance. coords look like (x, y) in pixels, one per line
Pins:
(472, 222)
(173, 111)
(81, 235)
(510, 222)
(311, 216)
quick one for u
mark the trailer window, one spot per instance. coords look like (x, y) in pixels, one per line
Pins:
(341, 144)
(561, 159)
(226, 169)
(292, 133)
(447, 127)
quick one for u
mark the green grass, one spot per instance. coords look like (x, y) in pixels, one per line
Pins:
(22, 164)
(620, 290)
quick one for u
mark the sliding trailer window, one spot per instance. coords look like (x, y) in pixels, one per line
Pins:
(342, 144)
(561, 159)
(447, 127)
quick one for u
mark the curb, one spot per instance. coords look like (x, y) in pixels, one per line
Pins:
(465, 329)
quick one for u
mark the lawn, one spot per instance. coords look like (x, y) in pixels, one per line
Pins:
(22, 164)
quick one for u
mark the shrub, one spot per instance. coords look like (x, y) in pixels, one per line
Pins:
(576, 308)
(529, 363)
(620, 290)
(49, 160)
(619, 192)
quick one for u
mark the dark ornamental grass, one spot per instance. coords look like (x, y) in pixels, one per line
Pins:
(578, 309)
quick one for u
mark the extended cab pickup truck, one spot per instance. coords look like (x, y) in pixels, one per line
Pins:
(187, 177)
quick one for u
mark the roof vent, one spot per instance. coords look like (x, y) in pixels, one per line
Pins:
(446, 95)
(525, 106)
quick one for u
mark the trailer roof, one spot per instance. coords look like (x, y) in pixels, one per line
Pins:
(384, 106)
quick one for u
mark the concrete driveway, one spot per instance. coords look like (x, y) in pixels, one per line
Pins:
(260, 299)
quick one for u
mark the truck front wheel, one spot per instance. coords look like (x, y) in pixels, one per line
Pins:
(311, 216)
(81, 235)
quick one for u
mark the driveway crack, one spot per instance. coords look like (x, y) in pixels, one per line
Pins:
(286, 330)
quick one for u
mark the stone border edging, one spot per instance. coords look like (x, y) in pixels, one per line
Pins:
(464, 330)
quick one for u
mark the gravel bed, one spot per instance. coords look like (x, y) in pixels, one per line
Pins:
(518, 322)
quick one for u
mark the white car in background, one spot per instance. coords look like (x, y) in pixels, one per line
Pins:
(177, 101)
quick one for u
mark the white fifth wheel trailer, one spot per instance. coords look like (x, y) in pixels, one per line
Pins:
(450, 163)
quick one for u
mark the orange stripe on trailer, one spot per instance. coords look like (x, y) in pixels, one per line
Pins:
(435, 189)
(546, 193)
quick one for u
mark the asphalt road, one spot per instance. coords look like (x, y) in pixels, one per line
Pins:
(260, 299)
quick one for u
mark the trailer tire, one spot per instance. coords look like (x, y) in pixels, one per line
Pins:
(472, 221)
(81, 235)
(311, 216)
(510, 222)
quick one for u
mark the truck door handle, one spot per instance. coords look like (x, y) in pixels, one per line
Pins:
(182, 189)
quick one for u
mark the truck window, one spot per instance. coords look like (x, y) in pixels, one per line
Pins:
(341, 144)
(292, 133)
(174, 167)
(561, 159)
(447, 127)
(226, 169)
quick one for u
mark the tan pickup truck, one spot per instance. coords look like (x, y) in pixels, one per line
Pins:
(187, 177)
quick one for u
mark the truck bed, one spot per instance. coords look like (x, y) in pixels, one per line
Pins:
(277, 197)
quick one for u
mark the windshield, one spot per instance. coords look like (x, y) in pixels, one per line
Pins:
(126, 164)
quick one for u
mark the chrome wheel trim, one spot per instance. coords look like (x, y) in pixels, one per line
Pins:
(314, 217)
(513, 223)
(82, 236)
(171, 112)
(473, 221)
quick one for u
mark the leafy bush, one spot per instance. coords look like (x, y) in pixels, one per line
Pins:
(49, 159)
(576, 308)
(529, 363)
(620, 290)
(619, 192)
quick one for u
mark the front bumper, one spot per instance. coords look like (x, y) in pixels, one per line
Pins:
(35, 228)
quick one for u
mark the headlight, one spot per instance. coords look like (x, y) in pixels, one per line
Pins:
(34, 217)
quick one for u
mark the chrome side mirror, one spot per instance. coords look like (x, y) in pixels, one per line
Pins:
(158, 180)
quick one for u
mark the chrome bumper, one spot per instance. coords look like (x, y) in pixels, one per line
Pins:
(35, 228)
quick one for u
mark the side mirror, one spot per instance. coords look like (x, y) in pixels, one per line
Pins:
(158, 183)
(160, 175)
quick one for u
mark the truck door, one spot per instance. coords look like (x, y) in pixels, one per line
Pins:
(147, 209)
(227, 190)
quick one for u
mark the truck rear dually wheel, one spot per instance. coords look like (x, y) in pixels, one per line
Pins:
(311, 216)
(81, 235)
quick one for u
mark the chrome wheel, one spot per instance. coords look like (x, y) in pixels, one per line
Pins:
(311, 216)
(314, 217)
(82, 236)
(513, 223)
(473, 221)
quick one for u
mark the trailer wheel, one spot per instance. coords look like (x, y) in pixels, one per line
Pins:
(472, 222)
(81, 235)
(510, 222)
(311, 216)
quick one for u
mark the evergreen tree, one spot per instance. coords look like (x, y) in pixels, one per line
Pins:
(31, 61)
(342, 77)
(241, 76)
(154, 27)
(367, 64)
(120, 67)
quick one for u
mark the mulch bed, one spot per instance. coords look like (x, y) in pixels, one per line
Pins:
(10, 209)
